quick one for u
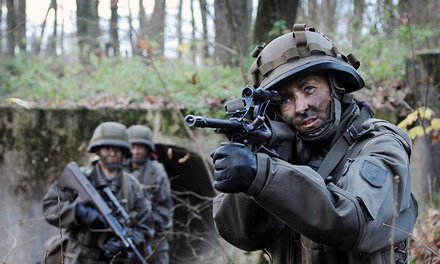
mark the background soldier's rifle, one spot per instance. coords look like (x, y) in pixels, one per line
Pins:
(72, 178)
(248, 123)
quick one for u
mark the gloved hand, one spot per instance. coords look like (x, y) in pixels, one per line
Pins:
(235, 168)
(112, 247)
(88, 216)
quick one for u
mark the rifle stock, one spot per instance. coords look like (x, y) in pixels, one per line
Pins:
(72, 178)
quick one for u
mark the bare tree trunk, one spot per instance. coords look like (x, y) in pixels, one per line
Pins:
(240, 23)
(38, 43)
(223, 35)
(114, 36)
(301, 13)
(11, 27)
(232, 30)
(179, 28)
(157, 23)
(203, 11)
(87, 24)
(21, 25)
(329, 10)
(389, 20)
(131, 30)
(313, 10)
(52, 45)
(359, 9)
(143, 24)
(62, 38)
(193, 33)
(270, 11)
(1, 31)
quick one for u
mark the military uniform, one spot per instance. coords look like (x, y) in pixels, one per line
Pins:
(293, 213)
(334, 198)
(85, 245)
(156, 186)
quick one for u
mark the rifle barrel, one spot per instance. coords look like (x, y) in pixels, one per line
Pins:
(203, 121)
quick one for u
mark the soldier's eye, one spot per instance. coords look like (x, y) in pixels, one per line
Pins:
(285, 101)
(309, 89)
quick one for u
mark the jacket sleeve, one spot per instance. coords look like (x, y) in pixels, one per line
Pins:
(242, 222)
(59, 207)
(349, 216)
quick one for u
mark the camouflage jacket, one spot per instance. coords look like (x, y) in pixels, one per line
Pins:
(85, 245)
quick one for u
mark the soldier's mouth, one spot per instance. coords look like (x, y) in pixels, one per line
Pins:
(308, 123)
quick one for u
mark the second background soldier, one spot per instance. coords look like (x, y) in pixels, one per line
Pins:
(156, 185)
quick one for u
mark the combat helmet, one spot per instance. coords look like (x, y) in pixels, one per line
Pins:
(110, 134)
(304, 51)
(139, 134)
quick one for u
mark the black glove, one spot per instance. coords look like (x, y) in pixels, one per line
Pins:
(235, 168)
(113, 247)
(89, 216)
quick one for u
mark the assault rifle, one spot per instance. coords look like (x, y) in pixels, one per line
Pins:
(248, 122)
(73, 179)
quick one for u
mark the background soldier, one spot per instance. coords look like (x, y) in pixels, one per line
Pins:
(329, 200)
(153, 177)
(88, 239)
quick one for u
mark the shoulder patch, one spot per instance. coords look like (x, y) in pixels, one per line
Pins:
(373, 174)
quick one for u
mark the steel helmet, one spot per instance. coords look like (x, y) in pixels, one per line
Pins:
(139, 134)
(304, 50)
(110, 134)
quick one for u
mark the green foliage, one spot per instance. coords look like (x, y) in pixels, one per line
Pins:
(200, 91)
(204, 88)
(437, 107)
(279, 28)
(383, 57)
(419, 35)
(26, 77)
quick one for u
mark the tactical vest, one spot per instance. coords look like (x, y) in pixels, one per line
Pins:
(88, 243)
(125, 188)
(55, 244)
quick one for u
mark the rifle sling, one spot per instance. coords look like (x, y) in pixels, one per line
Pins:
(339, 149)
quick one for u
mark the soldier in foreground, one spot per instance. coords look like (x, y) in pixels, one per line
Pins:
(343, 195)
(88, 238)
(156, 186)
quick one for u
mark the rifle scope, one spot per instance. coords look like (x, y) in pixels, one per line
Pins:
(259, 95)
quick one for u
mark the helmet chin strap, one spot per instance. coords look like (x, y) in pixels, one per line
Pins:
(326, 130)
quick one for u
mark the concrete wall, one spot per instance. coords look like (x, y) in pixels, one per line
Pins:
(35, 145)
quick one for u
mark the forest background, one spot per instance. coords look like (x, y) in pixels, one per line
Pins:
(194, 55)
